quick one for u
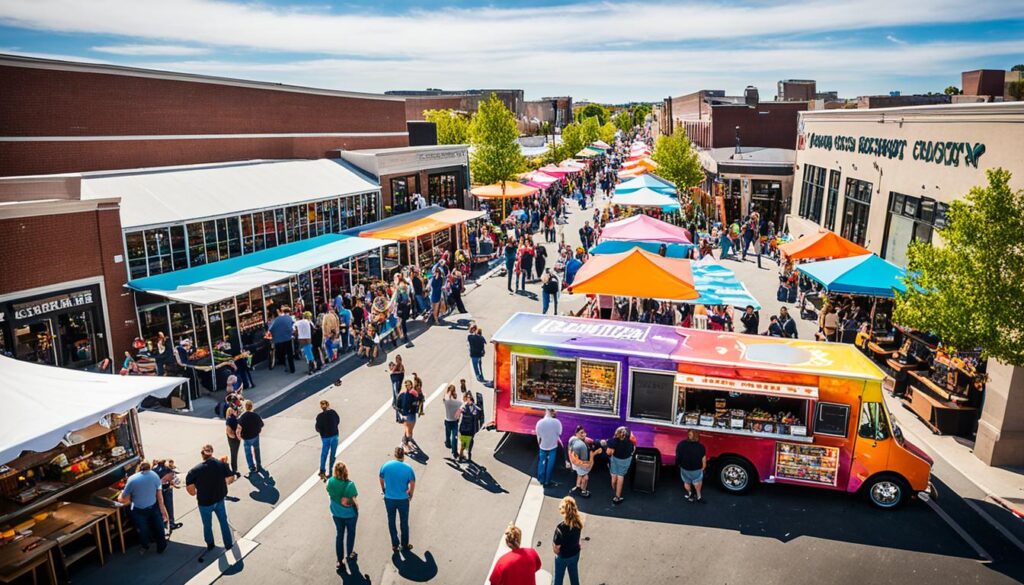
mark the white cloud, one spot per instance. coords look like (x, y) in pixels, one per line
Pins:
(892, 38)
(151, 50)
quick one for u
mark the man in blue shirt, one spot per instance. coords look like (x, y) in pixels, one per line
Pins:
(345, 318)
(571, 268)
(397, 482)
(142, 492)
(281, 336)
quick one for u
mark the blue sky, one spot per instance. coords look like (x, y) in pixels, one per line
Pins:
(604, 51)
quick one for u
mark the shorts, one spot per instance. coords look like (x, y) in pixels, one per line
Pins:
(409, 418)
(465, 440)
(618, 466)
(691, 477)
(580, 471)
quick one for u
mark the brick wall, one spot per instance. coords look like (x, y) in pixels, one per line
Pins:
(774, 129)
(414, 106)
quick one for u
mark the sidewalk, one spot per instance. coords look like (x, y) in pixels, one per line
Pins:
(1004, 487)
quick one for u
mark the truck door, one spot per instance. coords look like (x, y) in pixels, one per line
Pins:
(871, 450)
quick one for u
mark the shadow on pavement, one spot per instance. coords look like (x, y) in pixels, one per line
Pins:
(781, 512)
(151, 569)
(351, 575)
(266, 490)
(477, 474)
(412, 567)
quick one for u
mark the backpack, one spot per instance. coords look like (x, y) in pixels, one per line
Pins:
(469, 424)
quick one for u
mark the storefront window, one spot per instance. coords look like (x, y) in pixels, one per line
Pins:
(812, 193)
(77, 338)
(545, 381)
(833, 199)
(196, 244)
(402, 189)
(331, 213)
(178, 247)
(248, 237)
(181, 323)
(855, 210)
(210, 237)
(153, 320)
(280, 226)
(265, 233)
(136, 250)
(34, 343)
(442, 189)
(158, 250)
(910, 219)
(766, 199)
(369, 214)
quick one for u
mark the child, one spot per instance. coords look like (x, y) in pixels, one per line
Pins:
(331, 341)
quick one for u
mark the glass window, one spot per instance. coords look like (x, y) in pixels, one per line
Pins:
(234, 237)
(293, 223)
(898, 238)
(331, 211)
(347, 210)
(153, 320)
(179, 249)
(832, 419)
(599, 385)
(34, 343)
(855, 210)
(248, 233)
(196, 245)
(401, 194)
(652, 396)
(280, 226)
(546, 381)
(441, 189)
(812, 193)
(833, 199)
(369, 214)
(873, 423)
(210, 236)
(136, 250)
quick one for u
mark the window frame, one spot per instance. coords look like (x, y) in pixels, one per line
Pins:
(514, 389)
(817, 416)
(675, 398)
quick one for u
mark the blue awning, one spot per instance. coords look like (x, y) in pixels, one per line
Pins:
(866, 275)
(217, 281)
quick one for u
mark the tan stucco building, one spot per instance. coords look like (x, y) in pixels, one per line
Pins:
(884, 177)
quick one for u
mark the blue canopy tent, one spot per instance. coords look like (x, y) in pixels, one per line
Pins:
(618, 246)
(648, 181)
(718, 285)
(866, 275)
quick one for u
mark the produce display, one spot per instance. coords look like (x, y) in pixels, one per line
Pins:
(812, 463)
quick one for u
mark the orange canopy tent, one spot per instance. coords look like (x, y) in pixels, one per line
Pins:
(636, 273)
(646, 163)
(824, 244)
(633, 172)
(425, 225)
(512, 190)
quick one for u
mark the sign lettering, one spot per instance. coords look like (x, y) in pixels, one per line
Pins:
(51, 304)
(604, 330)
(948, 153)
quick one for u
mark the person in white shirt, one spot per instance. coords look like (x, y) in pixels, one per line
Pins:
(549, 437)
(303, 330)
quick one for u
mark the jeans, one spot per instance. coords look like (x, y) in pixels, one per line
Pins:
(328, 444)
(244, 373)
(396, 386)
(252, 449)
(233, 445)
(545, 300)
(150, 525)
(401, 508)
(546, 465)
(451, 436)
(571, 565)
(168, 493)
(510, 272)
(478, 367)
(206, 514)
(421, 302)
(345, 534)
(521, 280)
(283, 355)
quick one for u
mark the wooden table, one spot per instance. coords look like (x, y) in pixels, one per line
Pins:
(104, 498)
(21, 557)
(74, 521)
(944, 417)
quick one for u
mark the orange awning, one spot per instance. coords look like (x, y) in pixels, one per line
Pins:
(424, 225)
(636, 273)
(824, 244)
(513, 190)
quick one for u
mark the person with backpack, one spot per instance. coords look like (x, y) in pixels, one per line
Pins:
(470, 419)
(548, 290)
(456, 286)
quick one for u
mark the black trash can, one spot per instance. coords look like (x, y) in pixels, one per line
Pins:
(646, 468)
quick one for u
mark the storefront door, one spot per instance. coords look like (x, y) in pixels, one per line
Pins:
(61, 329)
(77, 339)
(33, 342)
(766, 199)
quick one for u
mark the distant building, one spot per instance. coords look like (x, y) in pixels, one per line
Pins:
(416, 101)
(871, 102)
(796, 90)
(983, 82)
(556, 110)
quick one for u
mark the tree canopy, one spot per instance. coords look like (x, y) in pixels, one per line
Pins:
(952, 90)
(677, 161)
(593, 111)
(970, 291)
(1019, 67)
(623, 121)
(452, 126)
(494, 136)
(606, 133)
(639, 113)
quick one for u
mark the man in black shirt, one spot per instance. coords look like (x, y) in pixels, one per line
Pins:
(691, 457)
(249, 426)
(208, 482)
(787, 323)
(750, 320)
(477, 349)
(327, 425)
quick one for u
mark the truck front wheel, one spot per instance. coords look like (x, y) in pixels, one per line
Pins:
(887, 491)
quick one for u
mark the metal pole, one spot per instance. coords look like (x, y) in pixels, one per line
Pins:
(380, 250)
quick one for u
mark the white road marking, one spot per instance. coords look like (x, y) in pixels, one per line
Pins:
(958, 529)
(995, 524)
(213, 572)
(225, 561)
(526, 520)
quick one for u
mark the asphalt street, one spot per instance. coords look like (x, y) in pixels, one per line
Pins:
(776, 534)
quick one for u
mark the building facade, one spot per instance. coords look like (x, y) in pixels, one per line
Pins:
(418, 101)
(884, 178)
(61, 117)
(439, 173)
(797, 90)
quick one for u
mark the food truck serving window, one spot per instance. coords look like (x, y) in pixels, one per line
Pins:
(832, 419)
(546, 381)
(652, 396)
(599, 385)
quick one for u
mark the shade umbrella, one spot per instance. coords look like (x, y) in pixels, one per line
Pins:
(824, 244)
(644, 228)
(636, 273)
(601, 144)
(633, 172)
(504, 190)
(866, 275)
(539, 179)
(587, 153)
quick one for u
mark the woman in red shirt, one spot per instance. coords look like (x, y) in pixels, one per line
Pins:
(518, 566)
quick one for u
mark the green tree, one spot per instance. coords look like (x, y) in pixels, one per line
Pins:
(639, 113)
(678, 161)
(952, 90)
(590, 131)
(1016, 89)
(452, 126)
(493, 134)
(593, 111)
(573, 140)
(970, 291)
(623, 121)
(607, 133)
(1017, 67)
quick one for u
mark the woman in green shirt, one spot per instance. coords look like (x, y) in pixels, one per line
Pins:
(344, 510)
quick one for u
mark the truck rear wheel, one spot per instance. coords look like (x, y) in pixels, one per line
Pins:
(887, 491)
(736, 475)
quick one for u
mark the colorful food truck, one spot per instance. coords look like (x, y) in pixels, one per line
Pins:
(768, 410)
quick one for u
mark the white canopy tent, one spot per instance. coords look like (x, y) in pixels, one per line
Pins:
(42, 404)
(644, 198)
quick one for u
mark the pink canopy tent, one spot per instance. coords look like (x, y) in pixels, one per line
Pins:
(540, 180)
(557, 171)
(644, 228)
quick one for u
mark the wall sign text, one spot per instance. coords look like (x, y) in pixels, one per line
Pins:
(948, 153)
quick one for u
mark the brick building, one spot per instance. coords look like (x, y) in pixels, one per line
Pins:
(417, 101)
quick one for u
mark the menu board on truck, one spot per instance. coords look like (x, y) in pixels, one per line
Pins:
(598, 385)
(811, 463)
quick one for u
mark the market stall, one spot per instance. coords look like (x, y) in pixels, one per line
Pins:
(645, 228)
(646, 198)
(425, 239)
(505, 190)
(649, 181)
(821, 245)
(65, 436)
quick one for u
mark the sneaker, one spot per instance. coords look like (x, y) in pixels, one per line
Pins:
(616, 501)
(688, 497)
(585, 494)
(574, 489)
(700, 500)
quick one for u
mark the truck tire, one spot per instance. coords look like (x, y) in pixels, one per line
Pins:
(736, 475)
(887, 491)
